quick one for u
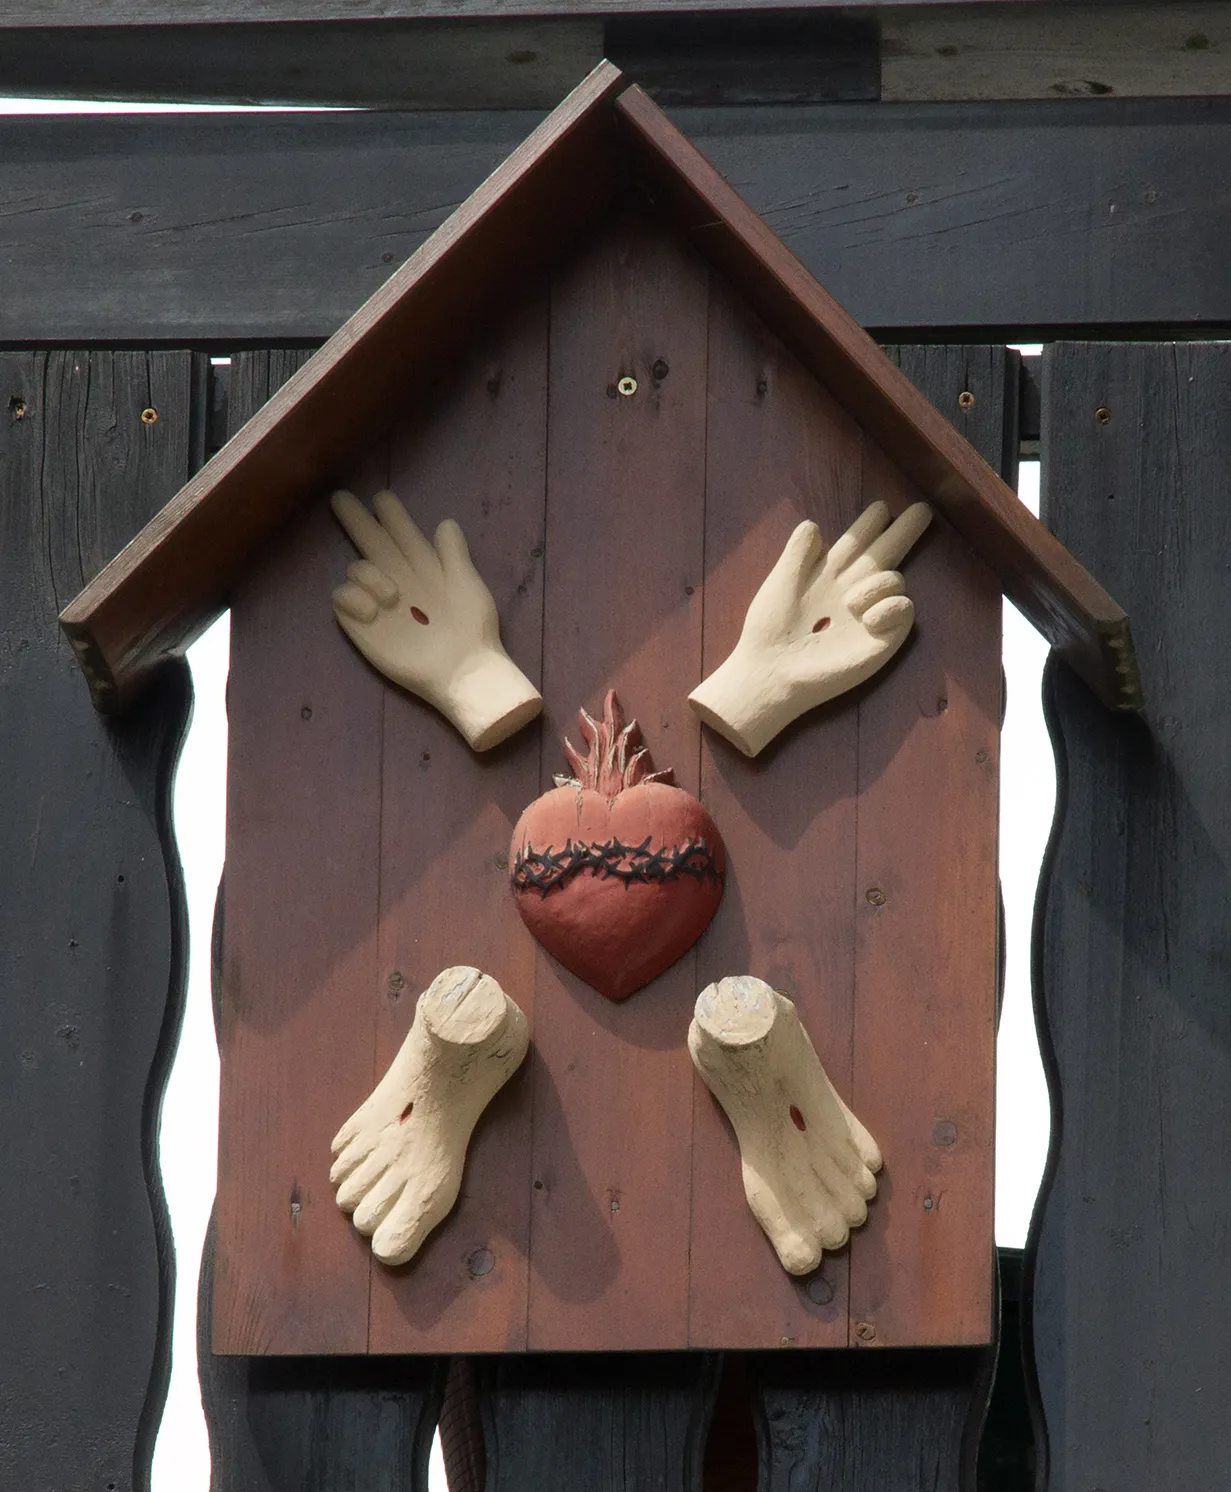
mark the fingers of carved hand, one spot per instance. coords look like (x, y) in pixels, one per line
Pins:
(407, 535)
(891, 618)
(866, 593)
(353, 602)
(874, 538)
(366, 534)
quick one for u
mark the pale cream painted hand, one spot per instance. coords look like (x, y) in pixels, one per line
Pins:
(820, 624)
(422, 614)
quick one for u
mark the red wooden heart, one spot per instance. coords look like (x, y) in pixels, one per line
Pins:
(616, 871)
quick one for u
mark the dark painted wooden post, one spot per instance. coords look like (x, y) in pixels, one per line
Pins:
(91, 926)
(1131, 1251)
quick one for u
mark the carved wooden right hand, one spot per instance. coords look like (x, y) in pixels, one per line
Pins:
(820, 624)
(423, 616)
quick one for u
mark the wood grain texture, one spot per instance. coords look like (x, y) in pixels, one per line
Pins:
(1126, 1304)
(1055, 51)
(618, 1422)
(477, 453)
(1079, 618)
(157, 595)
(502, 63)
(612, 1089)
(136, 13)
(926, 933)
(296, 1037)
(868, 1422)
(275, 227)
(779, 450)
(91, 927)
(313, 1424)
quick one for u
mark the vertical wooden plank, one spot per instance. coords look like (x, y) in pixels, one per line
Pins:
(788, 817)
(478, 455)
(610, 1422)
(622, 610)
(91, 925)
(1127, 1263)
(296, 1033)
(926, 941)
(869, 1422)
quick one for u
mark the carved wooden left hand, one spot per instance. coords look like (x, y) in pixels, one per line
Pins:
(820, 624)
(422, 614)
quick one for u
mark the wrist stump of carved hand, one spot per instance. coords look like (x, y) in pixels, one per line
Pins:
(400, 1156)
(807, 1162)
(819, 625)
(422, 614)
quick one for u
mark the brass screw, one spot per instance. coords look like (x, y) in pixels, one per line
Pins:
(149, 416)
(876, 897)
(627, 386)
(1103, 415)
(865, 1331)
(966, 400)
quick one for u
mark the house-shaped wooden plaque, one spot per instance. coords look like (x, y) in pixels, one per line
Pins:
(622, 535)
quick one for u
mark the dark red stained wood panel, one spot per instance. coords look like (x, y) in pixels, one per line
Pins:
(613, 1083)
(925, 918)
(779, 450)
(296, 1033)
(476, 454)
(623, 538)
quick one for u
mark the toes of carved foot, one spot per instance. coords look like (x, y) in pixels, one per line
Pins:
(378, 1203)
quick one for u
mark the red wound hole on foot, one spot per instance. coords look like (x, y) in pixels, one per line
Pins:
(797, 1119)
(406, 1112)
(419, 616)
(821, 625)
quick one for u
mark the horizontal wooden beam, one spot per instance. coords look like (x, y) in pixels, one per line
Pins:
(527, 55)
(1056, 51)
(509, 62)
(85, 13)
(230, 230)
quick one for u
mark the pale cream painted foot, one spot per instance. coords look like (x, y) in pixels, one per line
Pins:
(807, 1161)
(399, 1157)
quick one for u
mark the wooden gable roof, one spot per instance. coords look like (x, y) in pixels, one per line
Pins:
(165, 587)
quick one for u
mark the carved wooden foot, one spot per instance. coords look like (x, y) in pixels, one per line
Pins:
(400, 1156)
(807, 1161)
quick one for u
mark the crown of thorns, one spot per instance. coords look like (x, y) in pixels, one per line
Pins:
(544, 870)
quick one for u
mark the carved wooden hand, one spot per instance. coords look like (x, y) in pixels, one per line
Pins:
(423, 616)
(820, 624)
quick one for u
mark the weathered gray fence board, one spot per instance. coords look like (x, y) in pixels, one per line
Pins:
(307, 1424)
(619, 1422)
(91, 928)
(1075, 213)
(80, 13)
(1131, 1321)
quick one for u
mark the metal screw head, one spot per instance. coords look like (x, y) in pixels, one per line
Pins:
(397, 982)
(965, 400)
(981, 755)
(928, 1204)
(149, 416)
(876, 897)
(1103, 415)
(627, 386)
(865, 1331)
(480, 1263)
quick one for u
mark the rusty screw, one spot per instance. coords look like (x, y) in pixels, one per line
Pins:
(149, 416)
(965, 400)
(397, 983)
(876, 897)
(865, 1331)
(1103, 415)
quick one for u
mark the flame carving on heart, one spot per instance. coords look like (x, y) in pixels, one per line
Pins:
(616, 871)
